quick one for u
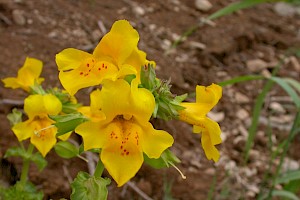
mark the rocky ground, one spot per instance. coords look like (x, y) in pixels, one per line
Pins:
(251, 41)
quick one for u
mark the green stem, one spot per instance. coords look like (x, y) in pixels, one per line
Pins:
(99, 169)
(289, 140)
(26, 164)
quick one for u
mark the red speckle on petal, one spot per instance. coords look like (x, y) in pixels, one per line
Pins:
(81, 73)
(88, 65)
(127, 153)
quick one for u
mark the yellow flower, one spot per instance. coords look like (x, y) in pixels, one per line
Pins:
(195, 114)
(93, 111)
(114, 57)
(39, 126)
(28, 75)
(126, 132)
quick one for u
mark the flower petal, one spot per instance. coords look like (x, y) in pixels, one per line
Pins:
(23, 130)
(208, 96)
(71, 58)
(92, 135)
(11, 82)
(52, 104)
(154, 142)
(118, 43)
(65, 136)
(34, 105)
(122, 155)
(44, 140)
(211, 136)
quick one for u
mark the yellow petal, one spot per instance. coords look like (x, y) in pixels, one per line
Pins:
(11, 83)
(44, 140)
(52, 104)
(211, 136)
(34, 105)
(154, 142)
(65, 136)
(193, 112)
(118, 43)
(71, 59)
(27, 75)
(137, 59)
(23, 130)
(122, 155)
(143, 102)
(89, 73)
(208, 96)
(92, 135)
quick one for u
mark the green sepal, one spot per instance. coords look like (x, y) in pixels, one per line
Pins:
(68, 122)
(14, 117)
(89, 187)
(22, 192)
(167, 105)
(129, 78)
(66, 150)
(166, 159)
(37, 158)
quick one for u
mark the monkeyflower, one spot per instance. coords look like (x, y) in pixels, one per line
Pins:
(126, 133)
(114, 57)
(39, 126)
(28, 75)
(195, 114)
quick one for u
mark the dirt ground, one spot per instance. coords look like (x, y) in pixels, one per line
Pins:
(251, 41)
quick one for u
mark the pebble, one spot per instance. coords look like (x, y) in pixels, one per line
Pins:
(294, 62)
(241, 98)
(203, 5)
(216, 116)
(289, 165)
(284, 9)
(256, 65)
(277, 108)
(242, 114)
(18, 17)
(139, 10)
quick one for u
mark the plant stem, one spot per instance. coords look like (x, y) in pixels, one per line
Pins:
(99, 169)
(289, 140)
(26, 164)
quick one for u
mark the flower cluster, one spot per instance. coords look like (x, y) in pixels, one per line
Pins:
(117, 121)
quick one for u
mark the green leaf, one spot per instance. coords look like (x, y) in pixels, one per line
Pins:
(166, 159)
(14, 117)
(39, 160)
(89, 187)
(295, 84)
(285, 194)
(240, 79)
(66, 150)
(288, 176)
(235, 7)
(16, 152)
(68, 122)
(28, 192)
(291, 92)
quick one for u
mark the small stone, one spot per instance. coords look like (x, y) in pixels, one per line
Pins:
(18, 17)
(256, 65)
(96, 35)
(241, 98)
(197, 45)
(284, 9)
(266, 73)
(277, 108)
(242, 114)
(139, 10)
(295, 63)
(210, 171)
(203, 5)
(289, 165)
(216, 116)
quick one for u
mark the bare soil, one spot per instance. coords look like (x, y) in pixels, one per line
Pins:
(40, 29)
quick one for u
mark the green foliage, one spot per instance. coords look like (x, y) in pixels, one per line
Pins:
(68, 122)
(89, 187)
(167, 187)
(166, 105)
(21, 192)
(166, 159)
(284, 194)
(66, 150)
(68, 106)
(14, 117)
(37, 158)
